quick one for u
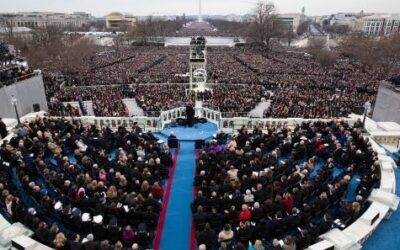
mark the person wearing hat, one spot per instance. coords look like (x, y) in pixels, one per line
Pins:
(89, 243)
(29, 216)
(58, 206)
(202, 247)
(86, 223)
(98, 228)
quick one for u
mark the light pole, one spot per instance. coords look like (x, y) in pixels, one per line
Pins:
(14, 103)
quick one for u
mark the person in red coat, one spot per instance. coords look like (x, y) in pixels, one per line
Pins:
(157, 191)
(245, 214)
(287, 202)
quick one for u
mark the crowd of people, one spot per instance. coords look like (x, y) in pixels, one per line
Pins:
(303, 88)
(223, 68)
(284, 184)
(107, 101)
(79, 186)
(234, 100)
(152, 64)
(299, 86)
(153, 98)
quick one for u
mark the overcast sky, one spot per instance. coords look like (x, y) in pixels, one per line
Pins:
(178, 7)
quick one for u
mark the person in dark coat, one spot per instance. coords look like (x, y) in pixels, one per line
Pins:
(74, 242)
(90, 244)
(207, 237)
(42, 233)
(3, 129)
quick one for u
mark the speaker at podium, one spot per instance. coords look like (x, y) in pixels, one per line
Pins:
(36, 107)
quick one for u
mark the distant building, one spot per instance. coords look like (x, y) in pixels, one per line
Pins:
(21, 32)
(368, 23)
(353, 21)
(381, 25)
(290, 21)
(42, 19)
(118, 21)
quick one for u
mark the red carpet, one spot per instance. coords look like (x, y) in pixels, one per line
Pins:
(192, 241)
(161, 221)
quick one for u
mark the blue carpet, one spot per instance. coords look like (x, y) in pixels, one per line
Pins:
(320, 165)
(386, 236)
(113, 154)
(336, 172)
(351, 190)
(177, 227)
(29, 202)
(161, 137)
(72, 159)
(202, 131)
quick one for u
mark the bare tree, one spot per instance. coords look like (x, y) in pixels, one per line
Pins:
(325, 57)
(75, 55)
(230, 28)
(361, 49)
(303, 28)
(389, 54)
(288, 36)
(141, 30)
(51, 49)
(264, 26)
(7, 22)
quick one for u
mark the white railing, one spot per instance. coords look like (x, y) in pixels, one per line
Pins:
(229, 125)
(387, 138)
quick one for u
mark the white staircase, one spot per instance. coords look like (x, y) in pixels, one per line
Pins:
(199, 104)
(88, 105)
(89, 108)
(258, 111)
(133, 108)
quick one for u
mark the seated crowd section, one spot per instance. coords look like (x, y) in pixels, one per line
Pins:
(294, 82)
(107, 100)
(283, 184)
(82, 187)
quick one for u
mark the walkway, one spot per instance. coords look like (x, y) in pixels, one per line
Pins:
(176, 221)
(177, 227)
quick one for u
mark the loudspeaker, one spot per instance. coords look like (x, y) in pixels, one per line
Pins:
(358, 110)
(374, 219)
(199, 144)
(173, 143)
(36, 107)
(23, 242)
(203, 120)
(181, 122)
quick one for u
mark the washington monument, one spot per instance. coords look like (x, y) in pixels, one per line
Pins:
(200, 15)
